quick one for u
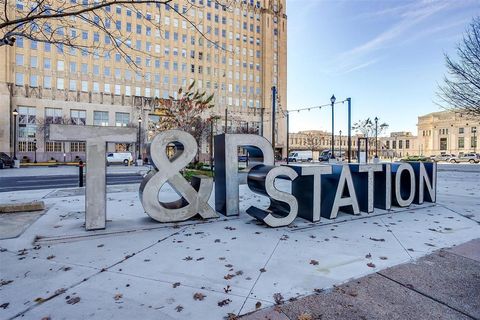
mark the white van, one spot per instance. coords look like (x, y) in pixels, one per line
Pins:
(119, 157)
(300, 155)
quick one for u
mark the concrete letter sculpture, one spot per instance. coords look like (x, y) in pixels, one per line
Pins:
(96, 139)
(194, 196)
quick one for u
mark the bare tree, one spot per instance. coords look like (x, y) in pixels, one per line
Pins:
(367, 128)
(461, 89)
(56, 22)
(312, 141)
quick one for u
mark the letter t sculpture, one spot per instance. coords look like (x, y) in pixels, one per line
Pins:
(96, 139)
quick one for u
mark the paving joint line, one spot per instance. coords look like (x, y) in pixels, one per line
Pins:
(91, 276)
(458, 213)
(393, 234)
(258, 278)
(426, 296)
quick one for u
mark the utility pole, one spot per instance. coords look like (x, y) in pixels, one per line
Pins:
(274, 98)
(226, 120)
(349, 147)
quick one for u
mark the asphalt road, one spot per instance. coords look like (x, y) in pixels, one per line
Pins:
(62, 181)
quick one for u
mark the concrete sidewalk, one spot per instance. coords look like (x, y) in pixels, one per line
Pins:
(442, 285)
(138, 268)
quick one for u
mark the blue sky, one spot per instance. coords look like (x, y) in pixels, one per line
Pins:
(386, 55)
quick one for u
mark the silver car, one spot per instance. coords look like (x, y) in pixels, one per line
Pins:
(467, 157)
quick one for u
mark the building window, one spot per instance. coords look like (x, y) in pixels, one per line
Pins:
(53, 115)
(100, 118)
(47, 82)
(77, 146)
(27, 123)
(473, 142)
(407, 144)
(443, 144)
(122, 119)
(53, 146)
(461, 130)
(26, 146)
(461, 142)
(19, 79)
(78, 117)
(60, 84)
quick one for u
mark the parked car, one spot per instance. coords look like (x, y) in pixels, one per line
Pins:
(300, 156)
(119, 157)
(467, 157)
(5, 160)
(325, 155)
(442, 157)
(416, 158)
(242, 158)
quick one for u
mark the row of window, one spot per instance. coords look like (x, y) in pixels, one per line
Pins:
(117, 89)
(127, 74)
(400, 144)
(50, 146)
(444, 131)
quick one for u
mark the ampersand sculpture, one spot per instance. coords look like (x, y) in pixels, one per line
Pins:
(194, 196)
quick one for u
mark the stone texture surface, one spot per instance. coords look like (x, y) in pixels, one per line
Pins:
(451, 279)
(371, 297)
(469, 250)
(22, 207)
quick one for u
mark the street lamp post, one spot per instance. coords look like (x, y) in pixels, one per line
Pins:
(340, 143)
(274, 100)
(288, 136)
(35, 150)
(332, 100)
(474, 139)
(376, 137)
(349, 141)
(139, 137)
(15, 114)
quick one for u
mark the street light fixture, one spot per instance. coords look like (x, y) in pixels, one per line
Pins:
(15, 114)
(332, 100)
(35, 149)
(376, 137)
(139, 137)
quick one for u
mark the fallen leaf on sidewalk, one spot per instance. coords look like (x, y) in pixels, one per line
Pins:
(4, 305)
(383, 258)
(230, 316)
(379, 239)
(278, 298)
(176, 284)
(368, 256)
(118, 296)
(179, 308)
(5, 282)
(224, 302)
(314, 262)
(371, 265)
(199, 296)
(73, 300)
(227, 289)
(50, 257)
(258, 305)
(305, 316)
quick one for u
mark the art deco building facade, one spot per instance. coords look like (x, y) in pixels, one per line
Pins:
(46, 83)
(447, 132)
